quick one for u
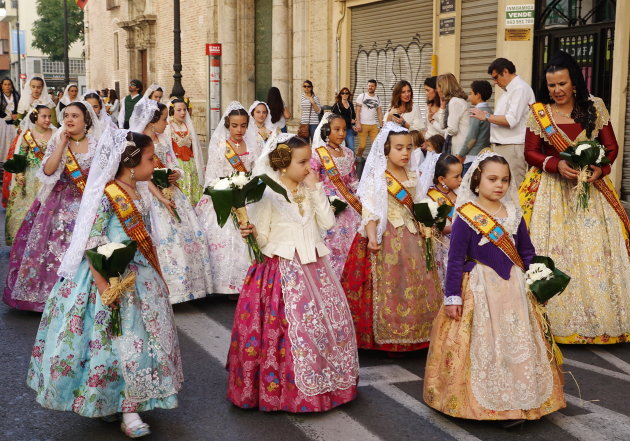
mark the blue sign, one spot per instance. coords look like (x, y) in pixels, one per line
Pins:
(14, 48)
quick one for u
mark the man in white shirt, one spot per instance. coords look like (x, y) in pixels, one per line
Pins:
(369, 116)
(507, 130)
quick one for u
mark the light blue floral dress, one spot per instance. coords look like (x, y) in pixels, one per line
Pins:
(76, 365)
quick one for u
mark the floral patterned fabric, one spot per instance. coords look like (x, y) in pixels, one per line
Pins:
(339, 238)
(293, 345)
(21, 197)
(76, 365)
(40, 243)
(189, 184)
(489, 366)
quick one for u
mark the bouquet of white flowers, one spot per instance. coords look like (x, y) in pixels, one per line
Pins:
(431, 215)
(581, 157)
(337, 204)
(231, 194)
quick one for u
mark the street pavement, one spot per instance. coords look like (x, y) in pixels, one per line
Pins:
(389, 406)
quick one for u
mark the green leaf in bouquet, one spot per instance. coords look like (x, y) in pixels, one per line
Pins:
(120, 258)
(17, 164)
(253, 191)
(443, 212)
(567, 156)
(160, 177)
(543, 290)
(97, 261)
(222, 202)
(422, 212)
(274, 186)
(339, 206)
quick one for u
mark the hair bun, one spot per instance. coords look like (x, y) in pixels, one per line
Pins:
(280, 157)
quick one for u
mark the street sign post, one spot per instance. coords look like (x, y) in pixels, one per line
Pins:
(213, 51)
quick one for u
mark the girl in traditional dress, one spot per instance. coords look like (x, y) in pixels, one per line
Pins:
(47, 228)
(70, 94)
(154, 92)
(24, 186)
(94, 99)
(489, 359)
(232, 148)
(259, 111)
(9, 99)
(593, 243)
(181, 245)
(334, 164)
(439, 183)
(293, 345)
(77, 363)
(36, 93)
(181, 132)
(392, 295)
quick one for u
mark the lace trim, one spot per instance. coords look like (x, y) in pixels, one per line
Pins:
(453, 300)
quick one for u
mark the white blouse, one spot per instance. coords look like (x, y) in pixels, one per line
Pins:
(414, 118)
(282, 231)
(457, 123)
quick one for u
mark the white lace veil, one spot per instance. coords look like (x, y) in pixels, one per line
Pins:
(262, 166)
(103, 117)
(26, 100)
(426, 172)
(372, 190)
(49, 181)
(510, 200)
(142, 115)
(104, 167)
(318, 141)
(196, 146)
(216, 147)
(152, 88)
(27, 124)
(268, 124)
(65, 100)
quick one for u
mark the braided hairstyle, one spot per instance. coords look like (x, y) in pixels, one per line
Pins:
(158, 113)
(282, 155)
(235, 112)
(35, 113)
(136, 143)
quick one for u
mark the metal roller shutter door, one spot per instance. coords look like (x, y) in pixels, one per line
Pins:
(478, 44)
(391, 41)
(625, 180)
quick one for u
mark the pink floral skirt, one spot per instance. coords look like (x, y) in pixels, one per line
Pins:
(293, 346)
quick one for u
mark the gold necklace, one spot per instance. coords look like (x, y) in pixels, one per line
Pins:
(298, 197)
(566, 115)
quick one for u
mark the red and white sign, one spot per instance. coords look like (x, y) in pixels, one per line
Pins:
(213, 49)
(22, 76)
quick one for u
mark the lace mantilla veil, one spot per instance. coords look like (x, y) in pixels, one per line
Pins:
(103, 117)
(65, 100)
(26, 100)
(216, 148)
(27, 124)
(104, 168)
(152, 88)
(268, 124)
(372, 190)
(262, 165)
(196, 146)
(426, 172)
(49, 181)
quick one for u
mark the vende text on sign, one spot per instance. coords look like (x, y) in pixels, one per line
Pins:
(519, 15)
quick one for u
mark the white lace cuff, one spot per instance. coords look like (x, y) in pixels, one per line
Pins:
(544, 167)
(452, 300)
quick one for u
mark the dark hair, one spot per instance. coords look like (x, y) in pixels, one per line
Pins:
(138, 85)
(94, 96)
(483, 88)
(338, 97)
(34, 115)
(417, 138)
(159, 89)
(14, 93)
(131, 156)
(437, 141)
(261, 102)
(432, 83)
(282, 155)
(500, 64)
(475, 179)
(275, 103)
(10, 81)
(388, 145)
(583, 111)
(373, 81)
(235, 112)
(171, 109)
(112, 95)
(325, 129)
(40, 79)
(310, 83)
(396, 100)
(86, 114)
(158, 113)
(442, 166)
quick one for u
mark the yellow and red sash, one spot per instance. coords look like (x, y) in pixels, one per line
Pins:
(132, 222)
(553, 136)
(32, 144)
(335, 177)
(74, 172)
(234, 159)
(441, 199)
(492, 230)
(398, 191)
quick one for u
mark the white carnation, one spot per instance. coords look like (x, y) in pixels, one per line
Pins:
(107, 249)
(536, 272)
(221, 184)
(332, 199)
(433, 206)
(239, 180)
(602, 155)
(579, 149)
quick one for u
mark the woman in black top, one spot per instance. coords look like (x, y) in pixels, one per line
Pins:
(343, 106)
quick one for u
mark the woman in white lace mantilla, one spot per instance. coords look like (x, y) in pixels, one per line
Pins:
(293, 346)
(488, 358)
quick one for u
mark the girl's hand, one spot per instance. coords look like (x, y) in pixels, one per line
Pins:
(248, 229)
(453, 311)
(174, 177)
(101, 285)
(447, 230)
(373, 245)
(64, 139)
(597, 173)
(20, 180)
(170, 205)
(311, 179)
(566, 171)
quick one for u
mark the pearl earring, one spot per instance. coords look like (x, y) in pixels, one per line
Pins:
(133, 174)
(284, 170)
(445, 187)
(476, 189)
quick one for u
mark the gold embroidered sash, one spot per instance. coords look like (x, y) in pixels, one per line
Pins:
(335, 177)
(132, 222)
(32, 144)
(398, 191)
(234, 159)
(441, 199)
(492, 230)
(552, 135)
(74, 172)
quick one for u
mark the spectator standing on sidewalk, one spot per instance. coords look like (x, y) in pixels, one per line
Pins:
(369, 116)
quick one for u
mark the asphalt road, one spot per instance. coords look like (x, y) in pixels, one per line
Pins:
(389, 406)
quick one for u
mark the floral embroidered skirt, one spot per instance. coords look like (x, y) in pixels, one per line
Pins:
(493, 363)
(392, 295)
(38, 247)
(340, 237)
(293, 347)
(189, 184)
(21, 199)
